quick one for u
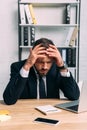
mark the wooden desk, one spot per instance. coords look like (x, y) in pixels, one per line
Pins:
(23, 114)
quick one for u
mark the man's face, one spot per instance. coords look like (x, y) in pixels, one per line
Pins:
(43, 65)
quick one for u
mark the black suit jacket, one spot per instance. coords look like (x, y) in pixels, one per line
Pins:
(26, 88)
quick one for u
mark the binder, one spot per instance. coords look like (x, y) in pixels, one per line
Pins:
(32, 14)
(68, 13)
(21, 36)
(64, 55)
(25, 36)
(28, 14)
(73, 37)
(71, 57)
(32, 32)
(70, 39)
(22, 14)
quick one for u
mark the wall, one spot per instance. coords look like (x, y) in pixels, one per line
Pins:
(9, 40)
(83, 42)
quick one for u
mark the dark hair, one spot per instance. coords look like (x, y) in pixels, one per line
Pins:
(44, 42)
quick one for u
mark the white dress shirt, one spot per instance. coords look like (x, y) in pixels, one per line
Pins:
(24, 73)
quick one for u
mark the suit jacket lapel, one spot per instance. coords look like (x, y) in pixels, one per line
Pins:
(32, 83)
(51, 78)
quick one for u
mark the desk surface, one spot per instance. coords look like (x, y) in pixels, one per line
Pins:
(23, 114)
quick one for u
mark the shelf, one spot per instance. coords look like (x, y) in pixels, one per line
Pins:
(52, 13)
(52, 22)
(45, 2)
(23, 47)
(59, 25)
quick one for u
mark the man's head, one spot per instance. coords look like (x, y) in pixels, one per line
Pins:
(44, 42)
(44, 63)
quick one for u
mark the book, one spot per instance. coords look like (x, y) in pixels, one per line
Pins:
(73, 37)
(32, 14)
(28, 14)
(22, 14)
(70, 39)
(4, 117)
(68, 13)
(4, 112)
(47, 109)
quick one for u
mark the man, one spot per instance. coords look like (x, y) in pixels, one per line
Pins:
(44, 62)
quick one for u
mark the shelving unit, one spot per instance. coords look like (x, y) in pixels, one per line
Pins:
(51, 17)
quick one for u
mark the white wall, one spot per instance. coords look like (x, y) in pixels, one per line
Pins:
(83, 41)
(9, 40)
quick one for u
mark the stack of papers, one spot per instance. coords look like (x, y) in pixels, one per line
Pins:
(47, 109)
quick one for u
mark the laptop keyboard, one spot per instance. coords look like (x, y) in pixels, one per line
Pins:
(75, 108)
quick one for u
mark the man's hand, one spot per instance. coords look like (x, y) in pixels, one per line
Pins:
(37, 52)
(52, 51)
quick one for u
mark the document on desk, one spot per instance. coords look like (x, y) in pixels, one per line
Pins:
(47, 109)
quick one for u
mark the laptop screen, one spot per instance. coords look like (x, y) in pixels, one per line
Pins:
(75, 107)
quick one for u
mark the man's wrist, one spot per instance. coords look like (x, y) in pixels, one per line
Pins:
(27, 67)
(63, 67)
(24, 73)
(65, 74)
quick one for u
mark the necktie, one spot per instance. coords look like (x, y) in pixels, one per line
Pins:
(42, 88)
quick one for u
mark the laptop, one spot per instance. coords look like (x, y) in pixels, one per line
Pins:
(79, 105)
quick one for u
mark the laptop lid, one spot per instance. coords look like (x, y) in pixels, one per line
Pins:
(76, 106)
